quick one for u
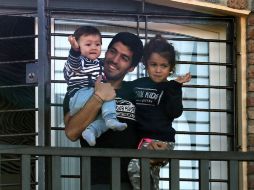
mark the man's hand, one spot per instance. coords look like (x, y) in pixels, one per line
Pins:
(104, 90)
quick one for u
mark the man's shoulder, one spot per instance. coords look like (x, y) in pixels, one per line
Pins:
(136, 81)
(126, 85)
(125, 92)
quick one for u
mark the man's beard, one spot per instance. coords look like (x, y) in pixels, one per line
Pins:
(113, 77)
(110, 74)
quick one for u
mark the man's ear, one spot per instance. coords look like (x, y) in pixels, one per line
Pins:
(131, 69)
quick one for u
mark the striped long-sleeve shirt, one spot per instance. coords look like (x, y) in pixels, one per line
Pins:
(80, 71)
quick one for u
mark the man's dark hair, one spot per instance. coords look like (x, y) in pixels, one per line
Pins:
(133, 42)
(86, 30)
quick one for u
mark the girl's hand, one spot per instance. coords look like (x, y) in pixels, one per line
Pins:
(183, 79)
(73, 42)
(157, 145)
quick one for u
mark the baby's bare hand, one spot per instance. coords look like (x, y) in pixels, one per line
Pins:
(74, 44)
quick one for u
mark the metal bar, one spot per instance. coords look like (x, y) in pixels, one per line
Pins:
(27, 5)
(18, 135)
(174, 171)
(115, 173)
(143, 6)
(107, 152)
(17, 13)
(56, 104)
(177, 62)
(191, 145)
(18, 110)
(71, 176)
(203, 168)
(19, 61)
(138, 33)
(57, 128)
(85, 173)
(204, 133)
(17, 185)
(227, 64)
(18, 86)
(233, 175)
(16, 159)
(145, 173)
(26, 171)
(208, 86)
(43, 75)
(65, 11)
(10, 185)
(193, 122)
(0, 170)
(186, 86)
(197, 180)
(43, 87)
(17, 37)
(234, 101)
(58, 81)
(204, 174)
(56, 172)
(208, 110)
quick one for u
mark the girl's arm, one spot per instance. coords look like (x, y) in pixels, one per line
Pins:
(173, 96)
(172, 100)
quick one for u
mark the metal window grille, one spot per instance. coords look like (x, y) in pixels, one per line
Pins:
(205, 46)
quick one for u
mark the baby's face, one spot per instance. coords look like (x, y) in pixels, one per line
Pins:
(90, 46)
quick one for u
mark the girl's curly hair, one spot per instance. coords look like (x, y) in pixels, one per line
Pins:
(160, 45)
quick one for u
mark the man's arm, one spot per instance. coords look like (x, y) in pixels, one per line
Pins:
(76, 124)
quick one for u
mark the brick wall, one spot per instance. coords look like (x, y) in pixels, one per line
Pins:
(237, 4)
(250, 96)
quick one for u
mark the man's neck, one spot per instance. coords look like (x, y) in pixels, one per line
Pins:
(116, 84)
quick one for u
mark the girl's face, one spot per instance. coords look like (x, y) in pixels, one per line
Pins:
(158, 68)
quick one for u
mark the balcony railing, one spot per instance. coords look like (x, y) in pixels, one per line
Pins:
(27, 153)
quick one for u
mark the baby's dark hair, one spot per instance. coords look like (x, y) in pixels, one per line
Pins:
(86, 30)
(160, 45)
(133, 42)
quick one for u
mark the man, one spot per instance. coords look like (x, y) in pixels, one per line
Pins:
(123, 54)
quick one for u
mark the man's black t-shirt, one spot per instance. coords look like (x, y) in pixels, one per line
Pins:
(101, 167)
